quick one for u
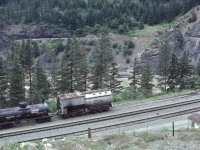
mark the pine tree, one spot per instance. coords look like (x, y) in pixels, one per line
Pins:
(41, 85)
(82, 79)
(115, 85)
(195, 80)
(21, 53)
(28, 63)
(63, 78)
(16, 80)
(174, 73)
(78, 64)
(146, 80)
(54, 71)
(69, 75)
(102, 63)
(3, 85)
(198, 68)
(63, 75)
(163, 68)
(54, 67)
(135, 80)
(186, 70)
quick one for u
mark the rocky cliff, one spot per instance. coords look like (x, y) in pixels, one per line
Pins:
(179, 40)
(4, 43)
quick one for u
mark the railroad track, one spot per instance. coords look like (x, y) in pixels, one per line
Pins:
(116, 116)
(105, 128)
(160, 100)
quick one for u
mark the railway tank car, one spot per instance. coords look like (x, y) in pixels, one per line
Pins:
(98, 101)
(73, 104)
(12, 116)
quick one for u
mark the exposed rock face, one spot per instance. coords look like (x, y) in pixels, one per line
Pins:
(176, 42)
(150, 56)
(4, 41)
(194, 31)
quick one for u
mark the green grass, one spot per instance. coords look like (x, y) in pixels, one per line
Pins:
(150, 30)
(141, 98)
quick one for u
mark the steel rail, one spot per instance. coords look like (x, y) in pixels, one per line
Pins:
(116, 116)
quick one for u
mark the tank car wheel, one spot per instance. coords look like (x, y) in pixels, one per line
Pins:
(11, 125)
(38, 120)
(48, 119)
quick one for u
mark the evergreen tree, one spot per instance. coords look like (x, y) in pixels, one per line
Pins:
(174, 73)
(146, 80)
(72, 62)
(135, 80)
(78, 65)
(194, 82)
(115, 85)
(28, 63)
(186, 70)
(41, 85)
(63, 78)
(16, 80)
(54, 71)
(21, 53)
(53, 49)
(198, 68)
(3, 85)
(82, 79)
(163, 68)
(102, 63)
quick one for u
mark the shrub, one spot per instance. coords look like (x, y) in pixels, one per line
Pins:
(127, 52)
(149, 137)
(58, 46)
(155, 42)
(129, 44)
(115, 45)
(52, 106)
(128, 61)
(87, 49)
(119, 47)
(91, 42)
(193, 17)
(84, 42)
(123, 28)
(36, 49)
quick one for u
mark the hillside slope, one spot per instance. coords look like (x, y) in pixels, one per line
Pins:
(185, 36)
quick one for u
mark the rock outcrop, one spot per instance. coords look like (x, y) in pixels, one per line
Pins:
(178, 41)
(4, 41)
(194, 31)
(151, 55)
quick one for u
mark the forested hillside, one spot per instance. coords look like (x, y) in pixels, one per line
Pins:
(92, 15)
(41, 55)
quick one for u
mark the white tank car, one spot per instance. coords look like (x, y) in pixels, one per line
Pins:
(97, 98)
(73, 104)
